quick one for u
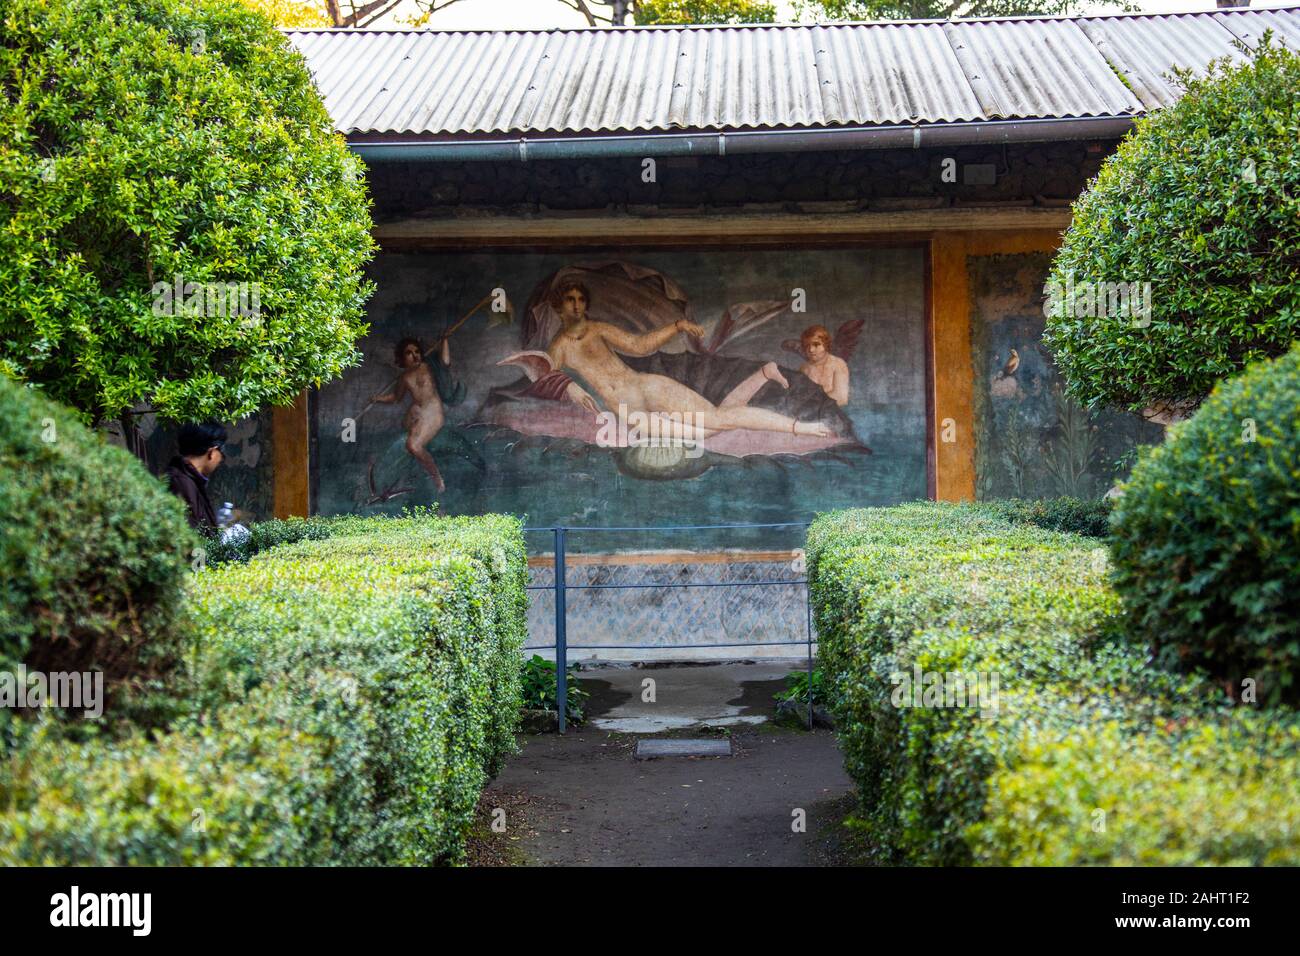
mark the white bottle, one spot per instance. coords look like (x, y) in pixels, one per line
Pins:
(225, 515)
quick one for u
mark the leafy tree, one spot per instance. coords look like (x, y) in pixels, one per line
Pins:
(350, 13)
(150, 147)
(829, 10)
(705, 11)
(643, 12)
(291, 13)
(1201, 201)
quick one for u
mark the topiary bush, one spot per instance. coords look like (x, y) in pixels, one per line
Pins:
(180, 224)
(270, 782)
(1086, 753)
(490, 539)
(1199, 201)
(1206, 543)
(94, 551)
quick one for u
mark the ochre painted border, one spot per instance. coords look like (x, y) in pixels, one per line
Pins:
(954, 369)
(740, 228)
(953, 428)
(290, 441)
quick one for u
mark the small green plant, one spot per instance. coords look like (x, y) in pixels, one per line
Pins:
(540, 689)
(796, 687)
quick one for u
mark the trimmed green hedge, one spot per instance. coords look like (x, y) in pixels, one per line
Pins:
(1207, 536)
(270, 534)
(351, 696)
(1090, 518)
(93, 554)
(1091, 756)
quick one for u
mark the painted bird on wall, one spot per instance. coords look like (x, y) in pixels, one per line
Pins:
(1004, 383)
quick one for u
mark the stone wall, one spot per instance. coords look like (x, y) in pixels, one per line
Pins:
(669, 606)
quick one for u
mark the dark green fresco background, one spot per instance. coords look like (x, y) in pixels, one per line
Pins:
(1031, 440)
(421, 293)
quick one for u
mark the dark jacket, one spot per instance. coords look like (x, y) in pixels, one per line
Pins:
(191, 487)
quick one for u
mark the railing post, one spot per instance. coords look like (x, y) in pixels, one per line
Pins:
(807, 603)
(561, 651)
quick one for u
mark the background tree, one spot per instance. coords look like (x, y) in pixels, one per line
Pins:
(705, 11)
(349, 13)
(643, 12)
(292, 13)
(830, 10)
(155, 146)
(1202, 201)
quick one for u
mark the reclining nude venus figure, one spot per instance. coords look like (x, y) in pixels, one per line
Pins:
(589, 348)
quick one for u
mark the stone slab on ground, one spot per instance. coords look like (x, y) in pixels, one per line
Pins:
(592, 804)
(779, 799)
(650, 748)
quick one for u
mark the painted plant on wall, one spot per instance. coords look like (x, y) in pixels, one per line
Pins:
(1033, 440)
(578, 384)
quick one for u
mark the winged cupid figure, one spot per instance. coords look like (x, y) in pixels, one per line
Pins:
(826, 358)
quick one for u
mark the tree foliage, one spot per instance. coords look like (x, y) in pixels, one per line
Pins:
(829, 10)
(1202, 201)
(156, 146)
(1204, 538)
(292, 13)
(362, 13)
(705, 11)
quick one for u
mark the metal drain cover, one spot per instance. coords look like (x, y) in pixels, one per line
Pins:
(650, 749)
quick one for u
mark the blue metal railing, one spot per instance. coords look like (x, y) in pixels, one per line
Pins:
(561, 586)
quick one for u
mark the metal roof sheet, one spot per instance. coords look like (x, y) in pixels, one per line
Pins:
(661, 79)
(1145, 49)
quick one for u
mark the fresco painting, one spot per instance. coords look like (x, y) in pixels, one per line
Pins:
(633, 388)
(1034, 441)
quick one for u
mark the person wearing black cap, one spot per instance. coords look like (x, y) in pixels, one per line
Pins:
(201, 453)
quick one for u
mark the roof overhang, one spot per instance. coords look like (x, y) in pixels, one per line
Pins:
(379, 148)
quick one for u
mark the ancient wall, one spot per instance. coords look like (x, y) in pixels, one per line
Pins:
(983, 298)
(780, 438)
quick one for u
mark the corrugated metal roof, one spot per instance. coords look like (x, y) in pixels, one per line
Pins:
(659, 79)
(1145, 49)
